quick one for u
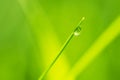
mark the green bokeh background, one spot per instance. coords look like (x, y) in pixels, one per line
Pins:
(33, 31)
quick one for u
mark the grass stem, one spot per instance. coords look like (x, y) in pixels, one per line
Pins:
(75, 32)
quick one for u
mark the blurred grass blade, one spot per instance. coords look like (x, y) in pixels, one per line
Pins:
(105, 39)
(48, 43)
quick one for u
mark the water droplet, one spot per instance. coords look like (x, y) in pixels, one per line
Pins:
(77, 31)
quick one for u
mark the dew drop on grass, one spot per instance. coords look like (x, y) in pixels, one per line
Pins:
(77, 31)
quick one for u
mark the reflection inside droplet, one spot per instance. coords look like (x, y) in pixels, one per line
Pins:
(77, 31)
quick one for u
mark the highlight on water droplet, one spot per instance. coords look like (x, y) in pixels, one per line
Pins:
(77, 31)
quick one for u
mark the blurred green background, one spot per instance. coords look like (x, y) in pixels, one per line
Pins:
(33, 31)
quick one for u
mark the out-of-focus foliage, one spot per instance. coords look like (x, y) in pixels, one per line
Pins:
(33, 31)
